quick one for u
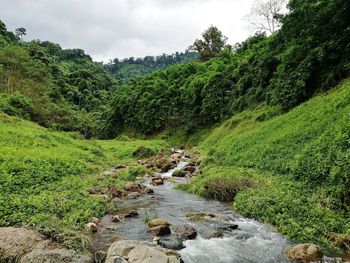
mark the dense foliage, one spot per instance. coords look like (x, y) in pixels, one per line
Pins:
(309, 54)
(128, 68)
(40, 81)
(299, 161)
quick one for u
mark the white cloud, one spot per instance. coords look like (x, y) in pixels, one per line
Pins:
(107, 29)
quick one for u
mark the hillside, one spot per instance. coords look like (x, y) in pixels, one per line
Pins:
(291, 171)
(129, 68)
(57, 88)
(45, 177)
(282, 70)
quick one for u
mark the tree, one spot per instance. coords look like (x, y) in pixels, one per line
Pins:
(265, 15)
(212, 43)
(20, 32)
(2, 27)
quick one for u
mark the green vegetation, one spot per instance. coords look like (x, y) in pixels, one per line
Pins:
(282, 70)
(60, 89)
(130, 68)
(45, 176)
(291, 170)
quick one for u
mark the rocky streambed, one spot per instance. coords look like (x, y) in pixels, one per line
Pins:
(193, 228)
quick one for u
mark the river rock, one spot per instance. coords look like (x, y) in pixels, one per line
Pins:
(228, 227)
(133, 195)
(171, 243)
(158, 222)
(165, 164)
(15, 242)
(304, 252)
(189, 168)
(91, 227)
(157, 181)
(214, 234)
(134, 187)
(114, 192)
(162, 230)
(132, 213)
(176, 156)
(116, 218)
(184, 232)
(141, 252)
(57, 255)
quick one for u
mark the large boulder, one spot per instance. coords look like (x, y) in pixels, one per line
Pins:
(140, 252)
(57, 255)
(134, 187)
(16, 242)
(165, 164)
(26, 246)
(184, 232)
(304, 253)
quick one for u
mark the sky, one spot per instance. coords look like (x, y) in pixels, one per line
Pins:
(108, 29)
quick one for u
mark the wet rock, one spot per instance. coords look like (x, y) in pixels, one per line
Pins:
(111, 227)
(176, 156)
(179, 173)
(214, 234)
(94, 191)
(158, 222)
(304, 252)
(149, 191)
(189, 168)
(228, 227)
(114, 192)
(16, 242)
(141, 252)
(134, 187)
(120, 166)
(116, 218)
(148, 164)
(165, 164)
(170, 243)
(184, 232)
(132, 213)
(57, 255)
(133, 195)
(91, 227)
(159, 230)
(157, 181)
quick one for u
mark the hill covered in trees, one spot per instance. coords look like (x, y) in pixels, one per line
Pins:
(61, 89)
(281, 70)
(129, 68)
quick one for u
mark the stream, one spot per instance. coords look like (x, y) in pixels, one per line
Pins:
(251, 242)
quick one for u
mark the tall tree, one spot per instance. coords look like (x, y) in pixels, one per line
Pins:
(20, 32)
(265, 15)
(212, 42)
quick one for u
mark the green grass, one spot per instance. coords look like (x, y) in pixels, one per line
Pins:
(300, 164)
(45, 175)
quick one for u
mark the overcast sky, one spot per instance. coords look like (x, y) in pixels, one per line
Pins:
(107, 29)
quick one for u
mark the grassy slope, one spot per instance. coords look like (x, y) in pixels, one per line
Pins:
(299, 163)
(45, 176)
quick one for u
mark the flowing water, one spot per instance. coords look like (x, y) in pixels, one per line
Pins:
(251, 242)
